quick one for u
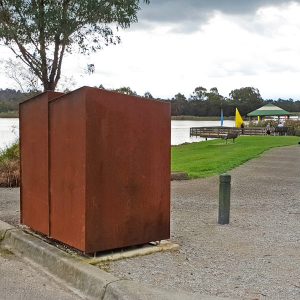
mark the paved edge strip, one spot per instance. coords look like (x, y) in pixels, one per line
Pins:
(131, 253)
(90, 280)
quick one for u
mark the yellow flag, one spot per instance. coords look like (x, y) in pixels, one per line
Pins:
(238, 119)
(258, 118)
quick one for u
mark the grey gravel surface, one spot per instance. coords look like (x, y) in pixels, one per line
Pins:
(257, 256)
(21, 281)
(10, 205)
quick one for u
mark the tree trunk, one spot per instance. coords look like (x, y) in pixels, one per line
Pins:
(49, 86)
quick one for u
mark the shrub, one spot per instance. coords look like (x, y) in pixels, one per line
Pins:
(292, 125)
(272, 123)
(295, 124)
(10, 166)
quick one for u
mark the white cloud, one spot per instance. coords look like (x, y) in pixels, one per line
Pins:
(224, 53)
(229, 51)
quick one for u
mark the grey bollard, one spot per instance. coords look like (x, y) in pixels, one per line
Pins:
(224, 199)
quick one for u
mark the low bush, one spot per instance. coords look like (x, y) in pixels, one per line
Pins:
(292, 125)
(272, 123)
(10, 166)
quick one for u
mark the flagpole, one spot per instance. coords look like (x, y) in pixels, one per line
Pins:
(222, 117)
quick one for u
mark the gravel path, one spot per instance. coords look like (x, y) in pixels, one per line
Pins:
(10, 205)
(257, 256)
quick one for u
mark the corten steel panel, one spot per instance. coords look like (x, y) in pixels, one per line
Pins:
(34, 161)
(128, 170)
(110, 170)
(67, 169)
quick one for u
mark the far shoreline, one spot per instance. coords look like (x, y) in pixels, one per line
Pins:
(198, 118)
(15, 114)
(9, 115)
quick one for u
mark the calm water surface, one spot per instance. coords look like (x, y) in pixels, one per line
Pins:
(181, 130)
(9, 131)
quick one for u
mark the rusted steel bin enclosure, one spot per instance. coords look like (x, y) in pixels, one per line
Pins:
(34, 161)
(109, 170)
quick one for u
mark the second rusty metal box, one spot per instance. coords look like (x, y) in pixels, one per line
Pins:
(109, 170)
(34, 149)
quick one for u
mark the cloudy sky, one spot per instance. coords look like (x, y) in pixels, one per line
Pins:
(181, 44)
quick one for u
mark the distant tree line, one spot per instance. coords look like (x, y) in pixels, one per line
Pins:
(10, 99)
(201, 102)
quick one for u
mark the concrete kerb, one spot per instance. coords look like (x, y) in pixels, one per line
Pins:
(4, 228)
(130, 290)
(89, 280)
(74, 272)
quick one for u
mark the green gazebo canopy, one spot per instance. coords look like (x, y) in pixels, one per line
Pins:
(269, 110)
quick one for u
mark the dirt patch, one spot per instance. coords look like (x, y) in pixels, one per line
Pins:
(5, 253)
(179, 176)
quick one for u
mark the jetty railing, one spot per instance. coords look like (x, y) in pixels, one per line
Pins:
(219, 132)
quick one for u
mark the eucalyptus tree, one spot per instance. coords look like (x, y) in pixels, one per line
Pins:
(40, 32)
(126, 90)
(246, 99)
(199, 94)
(248, 95)
(148, 95)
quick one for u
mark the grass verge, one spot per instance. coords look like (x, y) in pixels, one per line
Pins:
(215, 157)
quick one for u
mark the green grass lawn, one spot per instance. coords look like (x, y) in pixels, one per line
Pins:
(215, 157)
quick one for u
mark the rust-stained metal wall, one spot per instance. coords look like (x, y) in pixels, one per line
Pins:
(68, 169)
(109, 170)
(34, 161)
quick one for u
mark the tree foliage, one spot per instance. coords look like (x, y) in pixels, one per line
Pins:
(246, 98)
(205, 102)
(148, 95)
(125, 90)
(10, 99)
(40, 32)
(25, 79)
(246, 94)
(199, 93)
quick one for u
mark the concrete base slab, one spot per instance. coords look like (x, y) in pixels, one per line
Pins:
(146, 249)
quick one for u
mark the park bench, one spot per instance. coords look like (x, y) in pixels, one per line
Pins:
(281, 130)
(231, 135)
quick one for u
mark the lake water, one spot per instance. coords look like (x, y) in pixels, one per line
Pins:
(9, 130)
(180, 132)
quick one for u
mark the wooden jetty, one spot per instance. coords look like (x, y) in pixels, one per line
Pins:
(221, 132)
